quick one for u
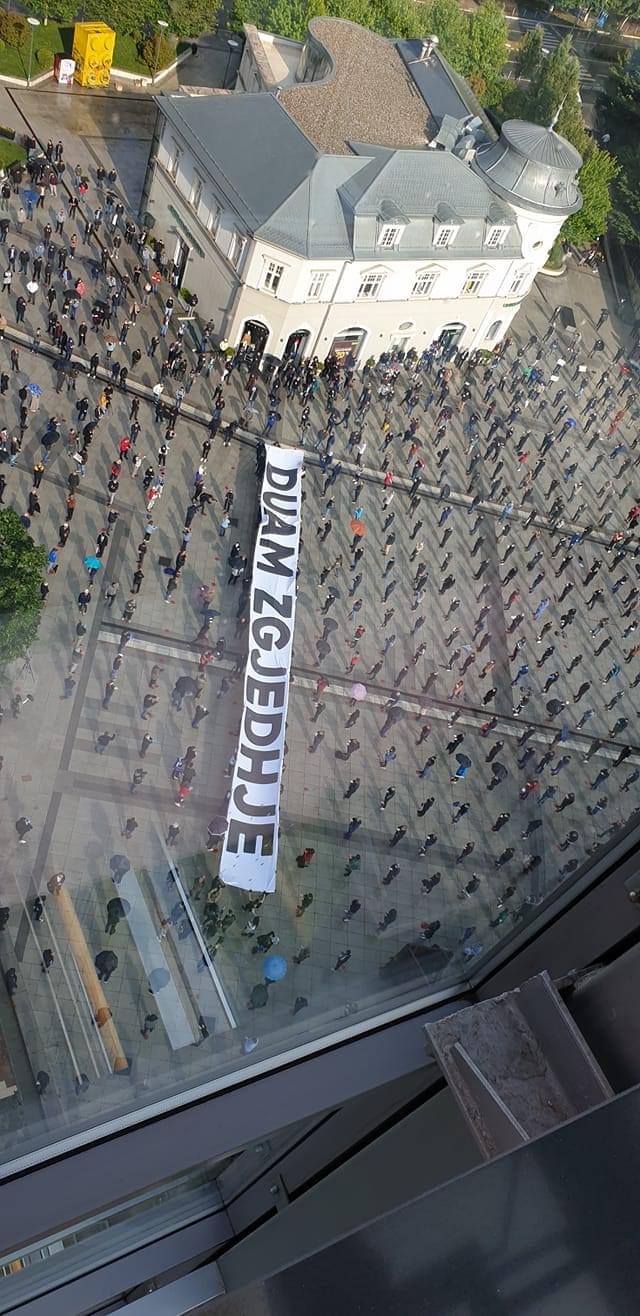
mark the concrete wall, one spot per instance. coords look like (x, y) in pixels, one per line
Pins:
(210, 275)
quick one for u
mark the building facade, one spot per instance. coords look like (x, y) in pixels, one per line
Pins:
(309, 222)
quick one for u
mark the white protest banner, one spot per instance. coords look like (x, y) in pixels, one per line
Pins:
(250, 850)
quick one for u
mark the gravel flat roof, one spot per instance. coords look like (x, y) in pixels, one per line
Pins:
(370, 97)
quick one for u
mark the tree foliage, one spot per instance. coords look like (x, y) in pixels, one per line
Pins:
(290, 18)
(621, 109)
(157, 52)
(63, 11)
(556, 78)
(450, 24)
(13, 28)
(595, 179)
(529, 54)
(476, 45)
(22, 564)
(487, 47)
(552, 96)
(190, 18)
(186, 18)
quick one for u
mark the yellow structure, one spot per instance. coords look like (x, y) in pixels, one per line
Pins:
(93, 45)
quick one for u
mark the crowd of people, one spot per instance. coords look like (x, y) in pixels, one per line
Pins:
(469, 544)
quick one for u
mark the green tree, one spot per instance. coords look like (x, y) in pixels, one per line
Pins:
(64, 11)
(22, 564)
(291, 18)
(570, 124)
(13, 28)
(190, 18)
(398, 18)
(487, 47)
(529, 55)
(620, 106)
(124, 16)
(595, 179)
(556, 79)
(450, 24)
(157, 52)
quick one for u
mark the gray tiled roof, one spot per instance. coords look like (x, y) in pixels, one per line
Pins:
(444, 91)
(312, 221)
(418, 181)
(331, 206)
(531, 166)
(254, 149)
(337, 211)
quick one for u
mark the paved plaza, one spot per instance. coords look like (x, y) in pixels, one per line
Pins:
(472, 798)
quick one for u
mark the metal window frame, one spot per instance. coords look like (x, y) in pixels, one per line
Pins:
(81, 1183)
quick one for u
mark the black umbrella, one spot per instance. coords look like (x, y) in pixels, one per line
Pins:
(330, 625)
(554, 707)
(119, 863)
(567, 319)
(499, 771)
(118, 908)
(463, 760)
(185, 685)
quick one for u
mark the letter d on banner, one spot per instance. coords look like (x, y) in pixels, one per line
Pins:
(250, 851)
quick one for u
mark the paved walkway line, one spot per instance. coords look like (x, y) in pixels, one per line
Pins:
(167, 1001)
(467, 718)
(215, 977)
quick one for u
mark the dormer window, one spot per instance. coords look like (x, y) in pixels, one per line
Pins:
(389, 235)
(444, 235)
(497, 235)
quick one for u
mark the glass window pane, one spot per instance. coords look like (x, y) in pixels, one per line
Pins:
(482, 667)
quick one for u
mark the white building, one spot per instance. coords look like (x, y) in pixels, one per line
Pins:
(361, 202)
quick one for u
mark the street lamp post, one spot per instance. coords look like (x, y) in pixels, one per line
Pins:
(163, 27)
(233, 45)
(33, 23)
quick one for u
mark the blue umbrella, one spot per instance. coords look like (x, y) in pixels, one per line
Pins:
(30, 196)
(34, 390)
(158, 978)
(93, 563)
(275, 968)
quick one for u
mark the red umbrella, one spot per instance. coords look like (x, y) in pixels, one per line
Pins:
(80, 287)
(359, 528)
(156, 277)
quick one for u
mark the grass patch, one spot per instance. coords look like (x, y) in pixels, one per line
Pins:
(10, 152)
(15, 63)
(59, 40)
(127, 57)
